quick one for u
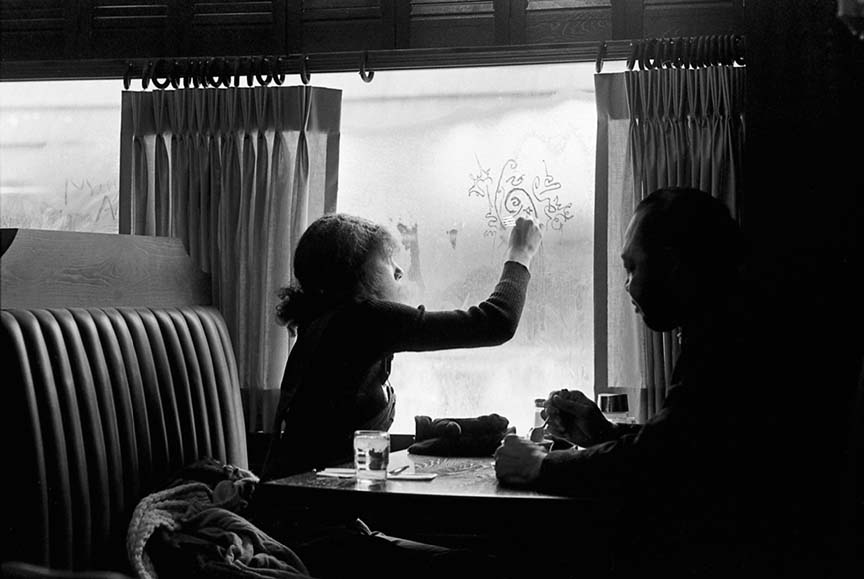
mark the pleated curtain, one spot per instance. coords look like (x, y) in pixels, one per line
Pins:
(656, 128)
(237, 174)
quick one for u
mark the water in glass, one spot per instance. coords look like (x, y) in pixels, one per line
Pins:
(371, 454)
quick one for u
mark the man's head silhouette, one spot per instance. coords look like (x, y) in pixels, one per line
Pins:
(682, 253)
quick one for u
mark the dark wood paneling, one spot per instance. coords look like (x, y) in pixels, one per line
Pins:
(30, 29)
(626, 19)
(343, 25)
(143, 28)
(804, 215)
(449, 23)
(401, 23)
(65, 269)
(52, 39)
(568, 20)
(224, 27)
(674, 18)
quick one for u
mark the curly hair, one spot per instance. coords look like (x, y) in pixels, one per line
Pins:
(330, 266)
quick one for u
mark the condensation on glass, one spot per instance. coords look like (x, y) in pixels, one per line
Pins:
(60, 154)
(448, 159)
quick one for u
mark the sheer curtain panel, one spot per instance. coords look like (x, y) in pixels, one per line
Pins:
(237, 174)
(656, 128)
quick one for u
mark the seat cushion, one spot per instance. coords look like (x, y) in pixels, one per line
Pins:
(101, 407)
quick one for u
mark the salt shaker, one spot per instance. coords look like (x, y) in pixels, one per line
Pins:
(538, 409)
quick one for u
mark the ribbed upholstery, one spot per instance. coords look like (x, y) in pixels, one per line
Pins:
(101, 406)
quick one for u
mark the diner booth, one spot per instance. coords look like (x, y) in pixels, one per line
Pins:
(159, 162)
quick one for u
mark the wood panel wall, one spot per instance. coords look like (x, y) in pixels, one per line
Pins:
(54, 269)
(59, 32)
(805, 218)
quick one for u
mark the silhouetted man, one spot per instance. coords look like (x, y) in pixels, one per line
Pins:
(676, 478)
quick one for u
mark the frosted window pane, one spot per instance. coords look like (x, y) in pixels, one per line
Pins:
(60, 155)
(428, 150)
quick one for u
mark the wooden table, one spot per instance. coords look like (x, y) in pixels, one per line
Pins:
(458, 478)
(465, 504)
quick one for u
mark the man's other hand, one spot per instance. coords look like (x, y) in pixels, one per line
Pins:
(518, 461)
(575, 417)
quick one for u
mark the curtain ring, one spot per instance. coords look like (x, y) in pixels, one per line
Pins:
(203, 65)
(201, 73)
(145, 75)
(235, 69)
(706, 52)
(678, 53)
(236, 72)
(740, 50)
(728, 54)
(192, 74)
(203, 70)
(664, 53)
(694, 52)
(213, 80)
(714, 44)
(699, 53)
(631, 58)
(708, 58)
(127, 76)
(276, 71)
(250, 71)
(686, 51)
(721, 49)
(601, 55)
(224, 72)
(304, 69)
(366, 76)
(187, 73)
(173, 74)
(263, 65)
(645, 56)
(161, 85)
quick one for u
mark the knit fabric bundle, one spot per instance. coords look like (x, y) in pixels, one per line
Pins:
(194, 528)
(470, 437)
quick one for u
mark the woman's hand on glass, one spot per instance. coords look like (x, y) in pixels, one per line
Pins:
(525, 238)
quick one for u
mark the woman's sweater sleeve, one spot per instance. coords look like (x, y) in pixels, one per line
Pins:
(396, 327)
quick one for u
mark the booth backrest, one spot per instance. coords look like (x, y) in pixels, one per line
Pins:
(101, 406)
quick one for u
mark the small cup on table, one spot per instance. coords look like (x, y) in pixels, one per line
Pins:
(371, 454)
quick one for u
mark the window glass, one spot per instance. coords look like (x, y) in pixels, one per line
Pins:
(448, 159)
(60, 155)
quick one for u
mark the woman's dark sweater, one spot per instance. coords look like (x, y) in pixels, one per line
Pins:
(341, 361)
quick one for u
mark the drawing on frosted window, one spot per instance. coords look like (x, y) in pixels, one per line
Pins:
(511, 198)
(83, 206)
(411, 243)
(452, 235)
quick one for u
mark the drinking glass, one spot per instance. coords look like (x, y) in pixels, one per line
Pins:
(371, 454)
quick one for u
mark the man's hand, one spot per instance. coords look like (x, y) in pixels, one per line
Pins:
(575, 417)
(518, 461)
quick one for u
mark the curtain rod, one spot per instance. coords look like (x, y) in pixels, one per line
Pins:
(215, 71)
(321, 62)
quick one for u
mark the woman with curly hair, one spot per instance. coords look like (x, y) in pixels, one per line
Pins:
(346, 310)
